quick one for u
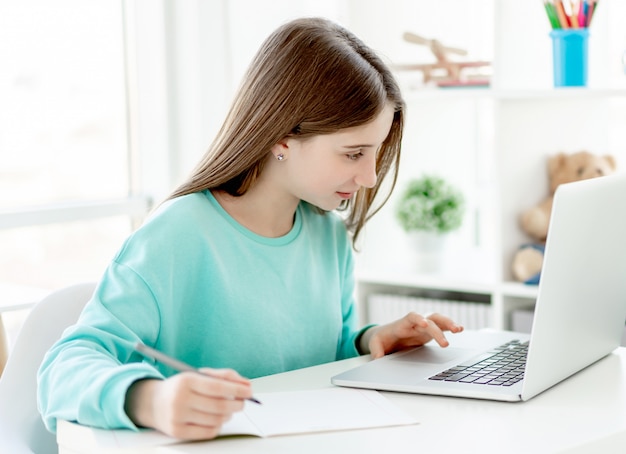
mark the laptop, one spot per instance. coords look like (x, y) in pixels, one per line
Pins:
(578, 319)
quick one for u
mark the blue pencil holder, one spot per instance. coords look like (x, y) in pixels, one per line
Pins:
(569, 55)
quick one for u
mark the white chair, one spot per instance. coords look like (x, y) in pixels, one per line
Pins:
(21, 427)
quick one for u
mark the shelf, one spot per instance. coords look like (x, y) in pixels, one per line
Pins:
(558, 93)
(518, 290)
(493, 143)
(513, 95)
(424, 281)
(442, 282)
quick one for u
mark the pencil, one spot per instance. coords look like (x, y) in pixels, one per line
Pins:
(551, 12)
(560, 11)
(582, 21)
(593, 4)
(175, 363)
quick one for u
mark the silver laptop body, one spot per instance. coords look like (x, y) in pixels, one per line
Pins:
(579, 314)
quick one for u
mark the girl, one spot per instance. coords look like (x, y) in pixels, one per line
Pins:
(247, 267)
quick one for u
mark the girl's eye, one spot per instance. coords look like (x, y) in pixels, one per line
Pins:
(355, 156)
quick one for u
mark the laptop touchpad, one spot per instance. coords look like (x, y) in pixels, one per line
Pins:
(431, 355)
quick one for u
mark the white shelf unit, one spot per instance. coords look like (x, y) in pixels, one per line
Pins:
(509, 135)
(504, 297)
(502, 172)
(494, 143)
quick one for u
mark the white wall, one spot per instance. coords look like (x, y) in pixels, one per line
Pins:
(210, 43)
(495, 150)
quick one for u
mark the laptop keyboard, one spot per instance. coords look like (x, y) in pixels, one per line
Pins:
(502, 366)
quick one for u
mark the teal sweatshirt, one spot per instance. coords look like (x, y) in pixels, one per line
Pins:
(197, 285)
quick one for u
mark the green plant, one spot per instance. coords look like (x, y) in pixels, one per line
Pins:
(430, 204)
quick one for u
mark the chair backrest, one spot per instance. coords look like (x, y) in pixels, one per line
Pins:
(21, 427)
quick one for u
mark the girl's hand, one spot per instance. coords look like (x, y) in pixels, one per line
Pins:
(188, 405)
(412, 330)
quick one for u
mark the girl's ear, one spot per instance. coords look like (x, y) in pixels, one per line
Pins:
(280, 150)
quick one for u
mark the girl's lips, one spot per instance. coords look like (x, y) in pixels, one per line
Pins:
(345, 195)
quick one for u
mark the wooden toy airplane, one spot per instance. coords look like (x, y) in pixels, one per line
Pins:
(445, 72)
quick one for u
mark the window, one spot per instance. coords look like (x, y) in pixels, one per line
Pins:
(102, 102)
(64, 103)
(66, 200)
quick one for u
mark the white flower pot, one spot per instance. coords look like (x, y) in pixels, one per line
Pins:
(428, 250)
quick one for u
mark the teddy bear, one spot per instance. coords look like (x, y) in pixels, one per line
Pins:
(562, 168)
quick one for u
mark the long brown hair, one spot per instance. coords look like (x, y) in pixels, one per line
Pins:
(311, 76)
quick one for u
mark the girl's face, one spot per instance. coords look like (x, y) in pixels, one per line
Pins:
(327, 169)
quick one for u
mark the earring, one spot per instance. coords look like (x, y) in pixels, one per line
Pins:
(280, 156)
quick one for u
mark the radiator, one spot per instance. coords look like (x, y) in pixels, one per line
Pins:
(386, 308)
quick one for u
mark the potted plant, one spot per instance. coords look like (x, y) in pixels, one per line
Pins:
(430, 204)
(428, 209)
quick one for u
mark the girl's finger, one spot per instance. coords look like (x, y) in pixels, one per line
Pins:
(376, 349)
(436, 333)
(445, 323)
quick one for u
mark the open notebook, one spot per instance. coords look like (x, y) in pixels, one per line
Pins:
(579, 314)
(281, 413)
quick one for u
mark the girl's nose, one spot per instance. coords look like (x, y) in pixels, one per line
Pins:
(366, 176)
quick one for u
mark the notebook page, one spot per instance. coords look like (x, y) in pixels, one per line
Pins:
(319, 410)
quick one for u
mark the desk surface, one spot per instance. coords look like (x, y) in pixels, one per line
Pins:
(584, 414)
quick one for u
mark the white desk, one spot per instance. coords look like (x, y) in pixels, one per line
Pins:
(582, 415)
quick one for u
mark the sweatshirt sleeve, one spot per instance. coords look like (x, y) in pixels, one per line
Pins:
(84, 377)
(350, 334)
